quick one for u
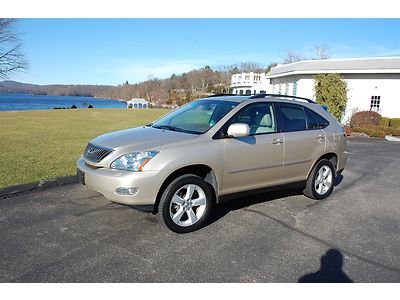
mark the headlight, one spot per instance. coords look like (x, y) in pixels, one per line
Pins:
(133, 161)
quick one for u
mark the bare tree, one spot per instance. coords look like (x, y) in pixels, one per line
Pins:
(291, 57)
(320, 51)
(270, 66)
(11, 57)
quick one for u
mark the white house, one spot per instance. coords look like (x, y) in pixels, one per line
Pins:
(137, 103)
(372, 82)
(249, 83)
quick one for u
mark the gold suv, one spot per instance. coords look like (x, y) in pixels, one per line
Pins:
(213, 148)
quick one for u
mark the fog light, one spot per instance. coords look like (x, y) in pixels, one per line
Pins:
(132, 191)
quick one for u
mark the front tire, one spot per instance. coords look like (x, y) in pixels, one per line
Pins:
(186, 204)
(321, 180)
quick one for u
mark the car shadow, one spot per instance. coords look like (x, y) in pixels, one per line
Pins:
(222, 209)
(330, 270)
(338, 179)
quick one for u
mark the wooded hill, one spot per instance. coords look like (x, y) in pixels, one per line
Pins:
(177, 89)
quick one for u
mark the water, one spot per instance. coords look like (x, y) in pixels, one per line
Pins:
(35, 102)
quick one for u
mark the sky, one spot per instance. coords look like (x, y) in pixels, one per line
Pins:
(111, 51)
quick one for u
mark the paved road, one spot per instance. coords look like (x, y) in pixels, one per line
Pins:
(71, 234)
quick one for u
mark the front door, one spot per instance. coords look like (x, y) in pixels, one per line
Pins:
(254, 161)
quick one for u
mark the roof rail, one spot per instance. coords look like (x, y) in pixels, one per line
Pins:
(220, 95)
(279, 95)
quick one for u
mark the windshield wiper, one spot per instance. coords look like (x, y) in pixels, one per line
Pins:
(173, 128)
(168, 127)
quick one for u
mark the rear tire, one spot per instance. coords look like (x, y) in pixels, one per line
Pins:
(321, 180)
(186, 204)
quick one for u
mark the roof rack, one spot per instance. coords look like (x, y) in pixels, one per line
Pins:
(220, 95)
(279, 95)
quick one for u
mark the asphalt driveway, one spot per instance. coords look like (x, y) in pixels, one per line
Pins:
(71, 234)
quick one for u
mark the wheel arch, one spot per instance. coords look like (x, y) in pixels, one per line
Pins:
(332, 157)
(201, 170)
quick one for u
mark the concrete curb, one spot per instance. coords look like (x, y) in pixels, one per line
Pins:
(27, 188)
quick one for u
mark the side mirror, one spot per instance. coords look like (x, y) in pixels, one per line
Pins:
(238, 130)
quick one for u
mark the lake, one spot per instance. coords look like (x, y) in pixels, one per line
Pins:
(36, 102)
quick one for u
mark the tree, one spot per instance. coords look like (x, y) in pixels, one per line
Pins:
(331, 90)
(11, 57)
(270, 66)
(291, 57)
(320, 51)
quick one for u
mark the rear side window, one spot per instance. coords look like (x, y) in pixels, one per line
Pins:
(293, 118)
(315, 121)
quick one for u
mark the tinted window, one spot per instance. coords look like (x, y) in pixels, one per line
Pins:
(293, 118)
(315, 121)
(260, 118)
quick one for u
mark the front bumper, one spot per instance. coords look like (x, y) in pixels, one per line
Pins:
(106, 181)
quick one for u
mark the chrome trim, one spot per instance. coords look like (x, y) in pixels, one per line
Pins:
(96, 153)
(257, 168)
(295, 162)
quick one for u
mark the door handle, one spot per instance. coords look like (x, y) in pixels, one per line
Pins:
(320, 137)
(276, 141)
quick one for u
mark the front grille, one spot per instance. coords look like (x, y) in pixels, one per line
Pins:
(96, 153)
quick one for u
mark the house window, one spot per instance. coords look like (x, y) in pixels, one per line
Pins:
(255, 92)
(286, 88)
(375, 103)
(241, 92)
(280, 89)
(135, 105)
(248, 92)
(295, 88)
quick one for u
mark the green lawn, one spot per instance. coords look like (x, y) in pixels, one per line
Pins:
(36, 145)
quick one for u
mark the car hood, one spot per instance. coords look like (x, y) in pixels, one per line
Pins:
(141, 138)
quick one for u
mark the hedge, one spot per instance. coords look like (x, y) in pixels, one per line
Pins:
(395, 123)
(377, 131)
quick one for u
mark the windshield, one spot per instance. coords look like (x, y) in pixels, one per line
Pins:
(196, 117)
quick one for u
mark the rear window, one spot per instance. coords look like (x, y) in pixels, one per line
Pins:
(315, 121)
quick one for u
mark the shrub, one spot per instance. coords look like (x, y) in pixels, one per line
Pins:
(365, 118)
(395, 123)
(377, 131)
(331, 90)
(385, 122)
(396, 132)
(348, 130)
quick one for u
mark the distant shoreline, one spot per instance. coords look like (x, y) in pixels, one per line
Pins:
(27, 101)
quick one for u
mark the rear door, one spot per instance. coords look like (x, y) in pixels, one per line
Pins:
(303, 145)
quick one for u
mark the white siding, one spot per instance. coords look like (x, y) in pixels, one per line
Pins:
(362, 86)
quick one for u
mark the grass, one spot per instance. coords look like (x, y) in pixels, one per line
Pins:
(37, 145)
